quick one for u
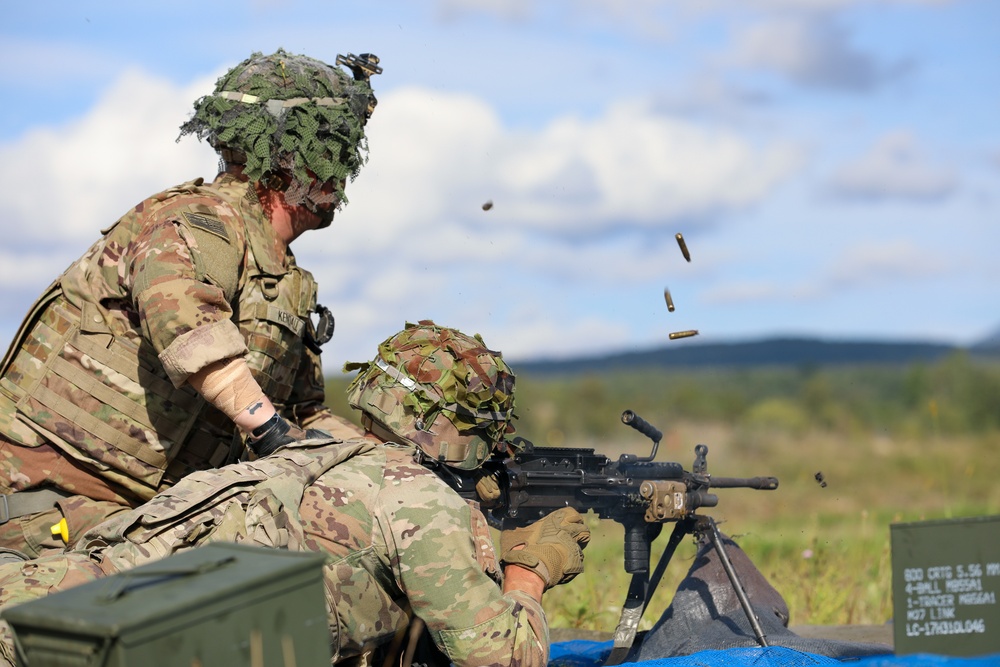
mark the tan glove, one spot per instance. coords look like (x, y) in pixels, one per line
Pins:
(552, 546)
(488, 490)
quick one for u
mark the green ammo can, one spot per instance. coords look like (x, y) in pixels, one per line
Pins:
(220, 605)
(946, 586)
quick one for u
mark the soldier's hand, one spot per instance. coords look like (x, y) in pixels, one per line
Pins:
(552, 547)
(277, 432)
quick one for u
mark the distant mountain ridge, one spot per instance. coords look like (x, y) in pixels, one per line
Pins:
(779, 351)
(990, 343)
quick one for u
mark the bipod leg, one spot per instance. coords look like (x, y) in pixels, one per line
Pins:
(640, 590)
(628, 624)
(681, 528)
(707, 525)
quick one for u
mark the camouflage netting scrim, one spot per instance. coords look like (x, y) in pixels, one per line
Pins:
(319, 128)
(430, 372)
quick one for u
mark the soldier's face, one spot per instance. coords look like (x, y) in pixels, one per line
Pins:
(316, 212)
(317, 209)
(326, 210)
(322, 202)
(302, 219)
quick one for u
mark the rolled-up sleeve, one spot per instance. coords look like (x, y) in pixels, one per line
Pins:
(196, 349)
(185, 317)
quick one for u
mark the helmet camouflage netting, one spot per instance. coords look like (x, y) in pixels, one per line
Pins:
(440, 390)
(290, 114)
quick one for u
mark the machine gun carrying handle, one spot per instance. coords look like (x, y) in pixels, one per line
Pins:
(644, 427)
(641, 425)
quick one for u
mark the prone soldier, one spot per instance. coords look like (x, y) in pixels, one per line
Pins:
(186, 330)
(400, 542)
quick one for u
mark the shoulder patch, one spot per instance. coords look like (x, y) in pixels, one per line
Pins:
(207, 223)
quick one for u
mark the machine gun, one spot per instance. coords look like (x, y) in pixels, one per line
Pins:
(637, 492)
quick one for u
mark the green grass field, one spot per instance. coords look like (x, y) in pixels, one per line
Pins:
(894, 444)
(826, 550)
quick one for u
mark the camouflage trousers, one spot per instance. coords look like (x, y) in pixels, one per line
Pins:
(87, 500)
(29, 580)
(253, 503)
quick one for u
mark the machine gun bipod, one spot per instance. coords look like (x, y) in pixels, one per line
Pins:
(642, 586)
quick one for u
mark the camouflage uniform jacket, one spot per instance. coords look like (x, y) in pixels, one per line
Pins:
(398, 540)
(190, 276)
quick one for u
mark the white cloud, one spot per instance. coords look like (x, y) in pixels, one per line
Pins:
(653, 20)
(583, 205)
(810, 49)
(69, 181)
(710, 94)
(759, 291)
(866, 264)
(51, 63)
(509, 10)
(27, 270)
(414, 241)
(894, 167)
(812, 5)
(436, 155)
(871, 263)
(429, 157)
(635, 167)
(524, 337)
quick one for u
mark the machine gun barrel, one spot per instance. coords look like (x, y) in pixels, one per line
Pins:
(759, 483)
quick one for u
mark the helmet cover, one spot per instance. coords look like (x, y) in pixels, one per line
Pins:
(288, 115)
(440, 390)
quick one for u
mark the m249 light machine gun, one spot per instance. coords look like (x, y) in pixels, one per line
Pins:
(637, 492)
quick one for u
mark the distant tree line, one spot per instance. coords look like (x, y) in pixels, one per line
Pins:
(958, 394)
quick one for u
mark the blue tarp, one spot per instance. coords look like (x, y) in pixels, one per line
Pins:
(581, 653)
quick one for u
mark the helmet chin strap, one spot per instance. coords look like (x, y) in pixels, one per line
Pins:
(383, 433)
(377, 429)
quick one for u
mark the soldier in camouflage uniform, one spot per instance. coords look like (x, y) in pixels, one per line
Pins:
(186, 329)
(400, 543)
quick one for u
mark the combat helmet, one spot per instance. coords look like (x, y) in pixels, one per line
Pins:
(440, 390)
(293, 122)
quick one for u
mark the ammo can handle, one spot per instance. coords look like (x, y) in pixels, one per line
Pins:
(128, 581)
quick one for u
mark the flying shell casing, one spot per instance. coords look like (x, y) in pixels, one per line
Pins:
(683, 334)
(668, 299)
(683, 245)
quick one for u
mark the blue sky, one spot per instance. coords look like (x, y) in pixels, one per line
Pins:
(833, 164)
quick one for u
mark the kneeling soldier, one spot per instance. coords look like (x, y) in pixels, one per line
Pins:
(400, 543)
